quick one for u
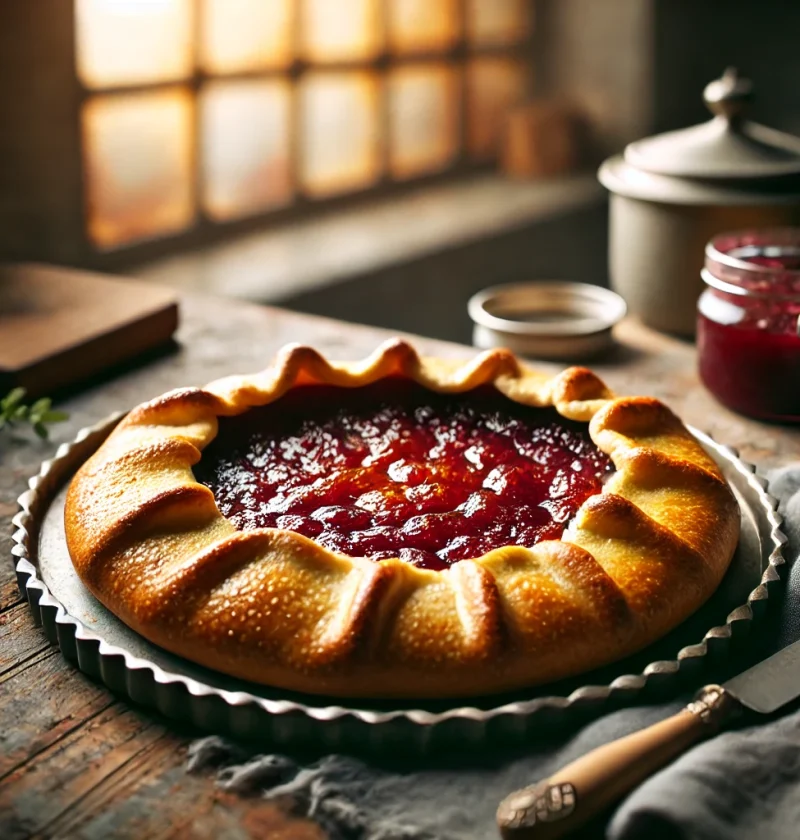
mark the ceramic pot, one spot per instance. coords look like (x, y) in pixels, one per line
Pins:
(672, 193)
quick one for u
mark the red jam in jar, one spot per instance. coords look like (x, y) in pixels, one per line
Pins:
(748, 327)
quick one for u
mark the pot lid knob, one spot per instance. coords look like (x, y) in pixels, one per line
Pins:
(729, 95)
(728, 147)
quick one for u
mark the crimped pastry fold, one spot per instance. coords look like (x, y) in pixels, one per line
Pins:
(275, 607)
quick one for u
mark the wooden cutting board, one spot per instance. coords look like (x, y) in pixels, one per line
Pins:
(60, 326)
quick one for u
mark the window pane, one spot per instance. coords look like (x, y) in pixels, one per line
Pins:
(493, 86)
(423, 108)
(138, 152)
(246, 154)
(422, 25)
(340, 139)
(126, 42)
(246, 34)
(492, 22)
(340, 30)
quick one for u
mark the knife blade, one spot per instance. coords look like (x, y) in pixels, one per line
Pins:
(769, 684)
(555, 806)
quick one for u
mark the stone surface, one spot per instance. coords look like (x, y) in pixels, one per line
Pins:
(284, 261)
(409, 263)
(76, 762)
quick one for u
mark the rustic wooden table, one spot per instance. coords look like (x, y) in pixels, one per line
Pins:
(77, 762)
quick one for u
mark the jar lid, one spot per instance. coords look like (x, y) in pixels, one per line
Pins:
(726, 160)
(546, 319)
(762, 263)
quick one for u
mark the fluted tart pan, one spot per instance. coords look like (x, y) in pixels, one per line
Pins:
(107, 650)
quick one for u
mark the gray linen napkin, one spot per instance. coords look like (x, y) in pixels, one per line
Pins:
(740, 784)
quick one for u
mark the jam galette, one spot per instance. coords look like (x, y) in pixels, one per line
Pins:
(403, 526)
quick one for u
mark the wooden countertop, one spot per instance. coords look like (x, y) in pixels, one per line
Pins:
(77, 762)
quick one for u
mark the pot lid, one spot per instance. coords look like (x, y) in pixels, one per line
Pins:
(726, 147)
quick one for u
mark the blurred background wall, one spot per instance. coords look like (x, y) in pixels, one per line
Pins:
(628, 68)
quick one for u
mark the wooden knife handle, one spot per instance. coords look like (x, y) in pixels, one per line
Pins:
(587, 786)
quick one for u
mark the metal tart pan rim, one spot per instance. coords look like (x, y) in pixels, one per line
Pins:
(100, 659)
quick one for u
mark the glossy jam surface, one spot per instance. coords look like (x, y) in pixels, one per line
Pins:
(394, 470)
(749, 347)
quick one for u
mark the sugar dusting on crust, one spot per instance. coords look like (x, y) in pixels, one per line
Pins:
(275, 608)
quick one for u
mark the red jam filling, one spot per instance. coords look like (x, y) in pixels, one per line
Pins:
(394, 470)
(749, 347)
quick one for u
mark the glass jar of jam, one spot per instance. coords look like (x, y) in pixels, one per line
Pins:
(748, 328)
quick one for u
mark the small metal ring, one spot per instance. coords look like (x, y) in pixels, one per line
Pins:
(715, 282)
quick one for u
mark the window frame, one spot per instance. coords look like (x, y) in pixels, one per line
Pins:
(206, 229)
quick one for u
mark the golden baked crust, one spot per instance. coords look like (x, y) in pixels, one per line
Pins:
(275, 607)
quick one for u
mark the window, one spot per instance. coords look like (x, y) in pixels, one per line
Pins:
(199, 113)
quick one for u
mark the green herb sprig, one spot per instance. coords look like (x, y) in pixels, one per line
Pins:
(13, 410)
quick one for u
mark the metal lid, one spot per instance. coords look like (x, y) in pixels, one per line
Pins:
(762, 263)
(727, 146)
(727, 160)
(546, 320)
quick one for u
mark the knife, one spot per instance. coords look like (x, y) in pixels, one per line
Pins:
(583, 789)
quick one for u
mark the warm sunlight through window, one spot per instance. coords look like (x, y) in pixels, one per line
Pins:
(133, 42)
(139, 152)
(424, 109)
(493, 85)
(245, 171)
(423, 26)
(496, 22)
(340, 143)
(347, 30)
(243, 35)
(202, 112)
